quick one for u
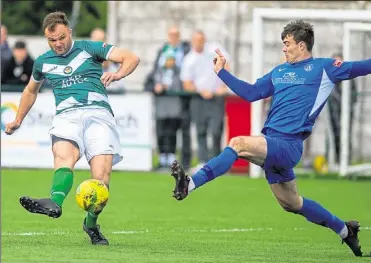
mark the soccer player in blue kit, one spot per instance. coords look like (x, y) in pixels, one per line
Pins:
(299, 89)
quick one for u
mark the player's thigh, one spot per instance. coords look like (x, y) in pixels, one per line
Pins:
(251, 148)
(66, 152)
(282, 153)
(287, 195)
(101, 137)
(67, 138)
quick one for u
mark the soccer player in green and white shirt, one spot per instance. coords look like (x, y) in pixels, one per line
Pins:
(84, 122)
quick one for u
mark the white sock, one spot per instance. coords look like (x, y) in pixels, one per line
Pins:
(191, 185)
(170, 158)
(344, 232)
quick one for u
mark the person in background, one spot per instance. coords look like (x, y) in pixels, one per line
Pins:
(6, 53)
(18, 70)
(181, 49)
(207, 108)
(168, 108)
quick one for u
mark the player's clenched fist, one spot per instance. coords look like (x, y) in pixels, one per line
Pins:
(12, 127)
(219, 61)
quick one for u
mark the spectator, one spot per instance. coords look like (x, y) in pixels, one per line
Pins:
(6, 53)
(207, 109)
(180, 48)
(334, 104)
(115, 87)
(19, 69)
(168, 108)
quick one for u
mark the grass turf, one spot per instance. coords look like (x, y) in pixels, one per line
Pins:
(232, 219)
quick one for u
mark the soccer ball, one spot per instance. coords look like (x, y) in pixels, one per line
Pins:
(92, 195)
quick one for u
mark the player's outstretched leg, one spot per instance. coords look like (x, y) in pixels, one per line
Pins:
(348, 231)
(288, 197)
(217, 166)
(52, 207)
(101, 167)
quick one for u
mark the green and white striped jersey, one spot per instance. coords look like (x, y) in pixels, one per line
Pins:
(75, 76)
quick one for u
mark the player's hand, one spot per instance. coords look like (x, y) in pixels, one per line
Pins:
(109, 77)
(158, 89)
(206, 95)
(11, 127)
(219, 61)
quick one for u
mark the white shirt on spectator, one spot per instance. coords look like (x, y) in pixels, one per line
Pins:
(199, 68)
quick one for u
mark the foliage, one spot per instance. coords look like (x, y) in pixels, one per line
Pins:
(26, 17)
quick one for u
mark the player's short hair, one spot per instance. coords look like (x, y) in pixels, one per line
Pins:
(53, 19)
(300, 31)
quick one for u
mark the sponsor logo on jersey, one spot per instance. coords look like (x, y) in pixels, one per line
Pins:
(337, 63)
(67, 70)
(289, 78)
(78, 79)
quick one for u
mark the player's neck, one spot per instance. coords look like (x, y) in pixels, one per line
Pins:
(302, 57)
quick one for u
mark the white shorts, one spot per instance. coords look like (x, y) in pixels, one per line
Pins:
(93, 130)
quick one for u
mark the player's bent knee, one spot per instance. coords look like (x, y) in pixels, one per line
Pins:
(237, 143)
(64, 161)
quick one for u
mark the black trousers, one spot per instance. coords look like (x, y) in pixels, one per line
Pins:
(208, 116)
(166, 134)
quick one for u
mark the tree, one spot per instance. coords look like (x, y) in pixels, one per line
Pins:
(26, 17)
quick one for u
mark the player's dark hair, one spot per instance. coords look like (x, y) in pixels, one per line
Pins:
(53, 19)
(300, 31)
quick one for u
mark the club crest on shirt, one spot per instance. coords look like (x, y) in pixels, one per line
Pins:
(308, 67)
(67, 70)
(337, 63)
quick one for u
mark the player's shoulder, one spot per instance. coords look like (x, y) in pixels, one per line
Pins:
(85, 44)
(328, 62)
(44, 57)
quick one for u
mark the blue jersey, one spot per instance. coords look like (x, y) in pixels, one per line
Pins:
(300, 90)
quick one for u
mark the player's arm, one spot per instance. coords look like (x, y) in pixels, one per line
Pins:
(128, 60)
(28, 98)
(263, 87)
(338, 70)
(101, 51)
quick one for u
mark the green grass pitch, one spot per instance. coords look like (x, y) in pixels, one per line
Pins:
(232, 219)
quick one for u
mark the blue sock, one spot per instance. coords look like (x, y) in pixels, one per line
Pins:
(315, 213)
(217, 166)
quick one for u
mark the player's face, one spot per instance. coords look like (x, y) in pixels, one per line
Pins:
(291, 49)
(60, 39)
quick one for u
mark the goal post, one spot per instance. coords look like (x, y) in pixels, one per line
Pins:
(345, 167)
(262, 14)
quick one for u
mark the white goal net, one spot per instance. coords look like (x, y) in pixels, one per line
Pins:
(355, 154)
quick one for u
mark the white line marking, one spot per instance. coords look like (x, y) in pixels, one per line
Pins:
(130, 232)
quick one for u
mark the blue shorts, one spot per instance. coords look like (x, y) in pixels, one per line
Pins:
(283, 154)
